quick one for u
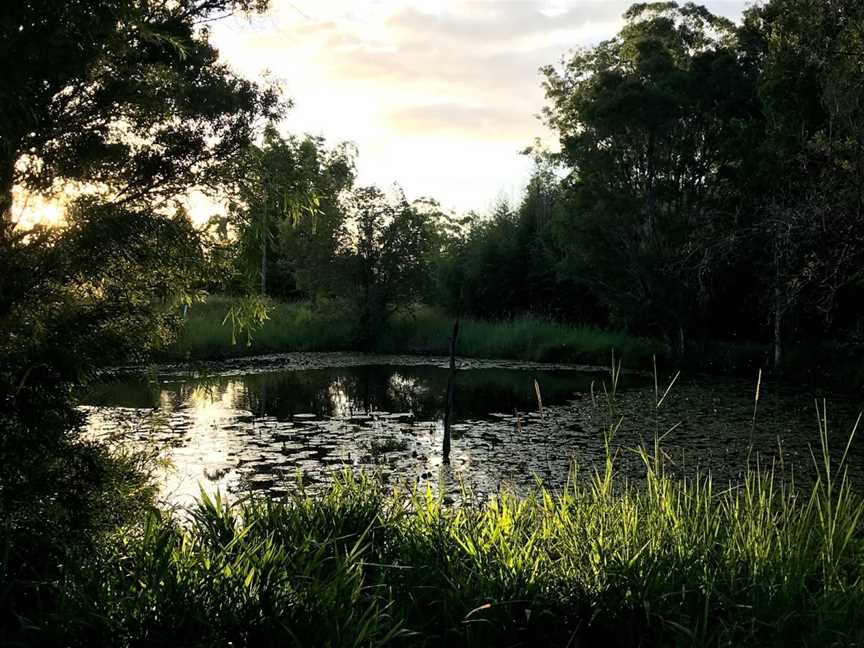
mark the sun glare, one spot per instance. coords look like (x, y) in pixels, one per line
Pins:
(30, 210)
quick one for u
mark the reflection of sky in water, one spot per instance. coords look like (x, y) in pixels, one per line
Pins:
(209, 443)
(195, 429)
(340, 404)
(255, 432)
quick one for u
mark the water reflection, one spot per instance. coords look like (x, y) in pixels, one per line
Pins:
(255, 432)
(347, 391)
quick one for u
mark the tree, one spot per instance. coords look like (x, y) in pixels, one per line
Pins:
(105, 289)
(652, 125)
(447, 265)
(285, 211)
(124, 95)
(504, 264)
(128, 99)
(490, 261)
(384, 261)
(809, 56)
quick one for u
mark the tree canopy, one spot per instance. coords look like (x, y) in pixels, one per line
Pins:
(655, 125)
(128, 101)
(128, 96)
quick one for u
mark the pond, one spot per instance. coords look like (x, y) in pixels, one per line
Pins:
(255, 425)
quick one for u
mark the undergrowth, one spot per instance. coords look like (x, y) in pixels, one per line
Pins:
(605, 561)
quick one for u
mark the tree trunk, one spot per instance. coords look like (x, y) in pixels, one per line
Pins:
(264, 243)
(778, 327)
(778, 310)
(7, 182)
(675, 339)
(365, 332)
(448, 406)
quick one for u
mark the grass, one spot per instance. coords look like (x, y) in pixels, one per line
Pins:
(661, 561)
(526, 337)
(290, 327)
(421, 330)
(667, 563)
(424, 330)
(387, 445)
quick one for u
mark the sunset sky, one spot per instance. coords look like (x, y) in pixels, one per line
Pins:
(438, 96)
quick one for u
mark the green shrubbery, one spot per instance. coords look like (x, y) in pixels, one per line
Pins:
(327, 326)
(59, 504)
(657, 561)
(423, 330)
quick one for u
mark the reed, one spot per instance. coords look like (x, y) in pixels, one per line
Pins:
(659, 561)
(662, 562)
(420, 329)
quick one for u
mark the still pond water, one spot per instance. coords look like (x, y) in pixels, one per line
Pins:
(253, 425)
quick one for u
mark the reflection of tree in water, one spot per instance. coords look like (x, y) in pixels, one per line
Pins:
(713, 422)
(411, 395)
(343, 391)
(285, 394)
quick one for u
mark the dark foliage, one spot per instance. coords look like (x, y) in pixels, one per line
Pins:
(122, 94)
(708, 186)
(129, 100)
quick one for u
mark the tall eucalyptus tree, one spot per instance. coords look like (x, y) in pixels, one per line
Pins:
(652, 125)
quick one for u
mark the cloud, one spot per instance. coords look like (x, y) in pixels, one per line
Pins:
(501, 24)
(461, 120)
(396, 76)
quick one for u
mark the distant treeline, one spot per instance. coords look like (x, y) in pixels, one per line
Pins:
(708, 186)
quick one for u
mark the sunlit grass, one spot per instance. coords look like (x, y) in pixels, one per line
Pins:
(290, 327)
(605, 561)
(421, 329)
